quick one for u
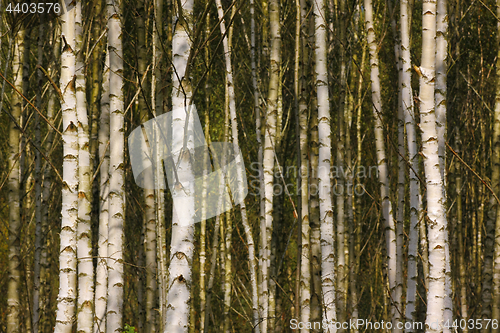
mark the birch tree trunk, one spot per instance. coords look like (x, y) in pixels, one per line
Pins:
(84, 232)
(149, 193)
(495, 311)
(38, 189)
(324, 133)
(116, 209)
(390, 234)
(414, 191)
(490, 246)
(203, 231)
(268, 161)
(437, 225)
(460, 240)
(52, 109)
(248, 229)
(13, 301)
(338, 189)
(260, 153)
(357, 212)
(67, 259)
(301, 95)
(95, 78)
(101, 285)
(316, 295)
(400, 198)
(440, 114)
(182, 247)
(156, 106)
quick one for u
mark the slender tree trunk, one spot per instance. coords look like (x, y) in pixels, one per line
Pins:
(270, 137)
(414, 191)
(390, 234)
(13, 299)
(437, 225)
(101, 285)
(339, 189)
(101, 110)
(182, 244)
(116, 171)
(26, 178)
(149, 192)
(203, 231)
(400, 209)
(324, 134)
(460, 233)
(84, 233)
(248, 230)
(496, 161)
(38, 189)
(161, 247)
(67, 259)
(260, 154)
(226, 230)
(213, 264)
(95, 71)
(354, 246)
(440, 109)
(301, 96)
(52, 107)
(492, 217)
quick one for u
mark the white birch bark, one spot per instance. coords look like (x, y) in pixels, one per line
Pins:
(101, 285)
(268, 160)
(355, 237)
(390, 233)
(85, 267)
(440, 109)
(156, 108)
(67, 258)
(52, 109)
(263, 272)
(116, 209)
(324, 133)
(440, 86)
(437, 225)
(13, 183)
(260, 154)
(414, 191)
(149, 218)
(248, 229)
(258, 134)
(400, 199)
(300, 91)
(182, 246)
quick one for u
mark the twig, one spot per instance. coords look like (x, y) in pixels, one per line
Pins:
(474, 172)
(56, 88)
(34, 107)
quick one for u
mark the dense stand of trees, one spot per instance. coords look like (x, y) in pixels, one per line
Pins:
(369, 133)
